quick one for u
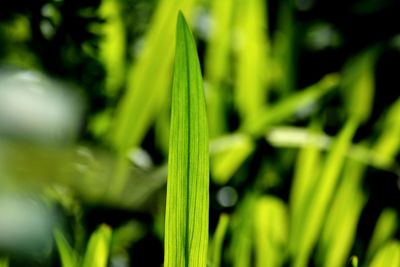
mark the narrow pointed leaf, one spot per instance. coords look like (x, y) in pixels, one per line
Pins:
(67, 255)
(98, 248)
(186, 226)
(218, 240)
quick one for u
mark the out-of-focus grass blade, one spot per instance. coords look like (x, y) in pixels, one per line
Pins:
(252, 54)
(299, 137)
(219, 43)
(341, 222)
(384, 230)
(67, 254)
(148, 78)
(227, 155)
(97, 251)
(308, 165)
(270, 232)
(354, 261)
(218, 240)
(242, 229)
(287, 107)
(358, 85)
(388, 145)
(112, 45)
(4, 262)
(126, 235)
(217, 65)
(147, 87)
(388, 256)
(306, 231)
(186, 226)
(283, 47)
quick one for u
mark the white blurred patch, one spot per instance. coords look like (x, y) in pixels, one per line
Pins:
(25, 224)
(227, 196)
(36, 108)
(140, 158)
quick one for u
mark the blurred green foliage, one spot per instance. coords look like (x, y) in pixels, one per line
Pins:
(304, 119)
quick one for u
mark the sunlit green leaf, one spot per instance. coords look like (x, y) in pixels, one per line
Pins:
(227, 155)
(388, 256)
(388, 145)
(354, 261)
(217, 67)
(252, 53)
(315, 207)
(98, 248)
(217, 241)
(186, 224)
(112, 45)
(358, 85)
(242, 229)
(308, 165)
(148, 82)
(338, 234)
(384, 230)
(270, 232)
(148, 78)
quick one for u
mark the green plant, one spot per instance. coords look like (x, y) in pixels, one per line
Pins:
(186, 222)
(300, 140)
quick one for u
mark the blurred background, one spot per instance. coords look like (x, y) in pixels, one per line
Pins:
(304, 117)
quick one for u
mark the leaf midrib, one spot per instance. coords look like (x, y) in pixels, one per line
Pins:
(188, 152)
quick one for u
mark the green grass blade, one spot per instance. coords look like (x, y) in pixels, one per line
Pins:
(242, 229)
(112, 45)
(252, 58)
(308, 165)
(227, 154)
(354, 261)
(147, 85)
(270, 231)
(67, 254)
(218, 240)
(388, 144)
(97, 251)
(388, 256)
(285, 108)
(358, 85)
(384, 230)
(305, 234)
(186, 226)
(148, 79)
(284, 47)
(217, 66)
(338, 236)
(299, 137)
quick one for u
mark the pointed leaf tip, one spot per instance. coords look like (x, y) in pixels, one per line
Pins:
(186, 222)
